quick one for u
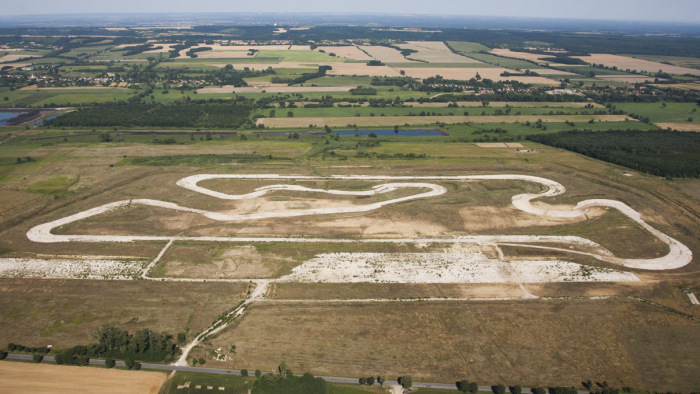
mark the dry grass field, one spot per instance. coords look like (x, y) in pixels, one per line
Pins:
(63, 313)
(533, 343)
(25, 378)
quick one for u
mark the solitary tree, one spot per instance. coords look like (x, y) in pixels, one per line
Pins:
(499, 389)
(370, 380)
(244, 373)
(406, 381)
(202, 360)
(36, 357)
(109, 362)
(363, 381)
(381, 380)
(258, 373)
(517, 389)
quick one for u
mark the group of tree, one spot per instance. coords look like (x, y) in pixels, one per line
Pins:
(284, 381)
(656, 152)
(191, 114)
(466, 386)
(370, 380)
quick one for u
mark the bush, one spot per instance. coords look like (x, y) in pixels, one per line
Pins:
(36, 357)
(109, 362)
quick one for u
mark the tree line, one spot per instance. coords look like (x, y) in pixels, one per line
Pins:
(656, 152)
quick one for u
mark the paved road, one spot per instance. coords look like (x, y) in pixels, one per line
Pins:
(332, 379)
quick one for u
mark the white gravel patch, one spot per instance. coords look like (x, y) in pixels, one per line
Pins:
(69, 269)
(473, 267)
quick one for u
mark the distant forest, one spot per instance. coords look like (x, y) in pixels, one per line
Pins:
(656, 152)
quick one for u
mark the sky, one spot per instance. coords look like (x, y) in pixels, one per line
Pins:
(647, 10)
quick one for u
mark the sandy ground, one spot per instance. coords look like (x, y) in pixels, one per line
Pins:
(624, 63)
(680, 126)
(44, 378)
(434, 52)
(383, 121)
(276, 89)
(679, 255)
(349, 52)
(466, 74)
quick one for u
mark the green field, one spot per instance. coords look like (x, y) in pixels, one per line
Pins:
(657, 112)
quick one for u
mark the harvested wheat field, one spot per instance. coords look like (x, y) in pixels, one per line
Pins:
(469, 73)
(420, 120)
(362, 69)
(630, 63)
(276, 89)
(679, 126)
(434, 52)
(627, 78)
(42, 378)
(349, 52)
(533, 57)
(385, 54)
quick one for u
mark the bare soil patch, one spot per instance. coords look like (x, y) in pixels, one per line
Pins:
(44, 378)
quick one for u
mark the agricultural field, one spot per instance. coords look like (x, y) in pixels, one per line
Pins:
(406, 202)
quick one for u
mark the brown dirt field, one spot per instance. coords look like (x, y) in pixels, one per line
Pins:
(39, 312)
(382, 121)
(532, 343)
(625, 63)
(434, 52)
(680, 126)
(44, 378)
(468, 73)
(349, 52)
(326, 291)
